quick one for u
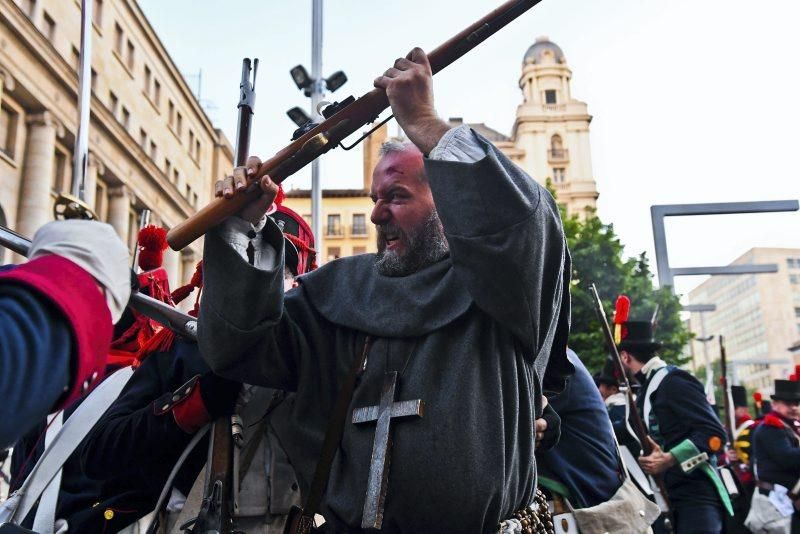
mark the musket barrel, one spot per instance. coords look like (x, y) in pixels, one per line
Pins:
(363, 111)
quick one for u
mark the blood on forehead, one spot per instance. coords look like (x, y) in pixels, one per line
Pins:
(398, 168)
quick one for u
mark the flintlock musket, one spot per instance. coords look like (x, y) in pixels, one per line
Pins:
(342, 119)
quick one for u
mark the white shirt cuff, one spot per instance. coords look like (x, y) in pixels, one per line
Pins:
(239, 233)
(459, 144)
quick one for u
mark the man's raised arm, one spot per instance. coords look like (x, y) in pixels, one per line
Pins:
(503, 229)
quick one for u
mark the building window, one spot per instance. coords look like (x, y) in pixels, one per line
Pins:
(790, 263)
(93, 80)
(49, 28)
(179, 124)
(334, 225)
(168, 168)
(30, 7)
(176, 176)
(156, 92)
(550, 96)
(8, 131)
(148, 78)
(794, 279)
(191, 142)
(118, 39)
(558, 174)
(797, 312)
(359, 250)
(153, 151)
(76, 59)
(359, 224)
(131, 54)
(142, 139)
(97, 13)
(113, 102)
(334, 253)
(126, 118)
(798, 328)
(197, 150)
(171, 113)
(58, 182)
(101, 201)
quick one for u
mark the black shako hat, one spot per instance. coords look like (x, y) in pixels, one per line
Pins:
(786, 390)
(607, 376)
(637, 337)
(739, 396)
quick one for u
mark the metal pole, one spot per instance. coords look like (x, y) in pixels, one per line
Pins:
(709, 372)
(316, 98)
(80, 156)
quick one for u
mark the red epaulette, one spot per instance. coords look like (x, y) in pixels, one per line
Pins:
(773, 420)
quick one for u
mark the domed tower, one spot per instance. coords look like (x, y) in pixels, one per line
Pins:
(551, 131)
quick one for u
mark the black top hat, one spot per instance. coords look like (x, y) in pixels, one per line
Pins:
(739, 395)
(607, 376)
(637, 336)
(786, 390)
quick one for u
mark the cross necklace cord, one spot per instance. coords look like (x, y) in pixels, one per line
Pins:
(382, 414)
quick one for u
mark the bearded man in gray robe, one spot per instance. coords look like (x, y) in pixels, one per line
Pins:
(467, 301)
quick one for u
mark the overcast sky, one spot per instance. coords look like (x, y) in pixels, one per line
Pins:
(693, 100)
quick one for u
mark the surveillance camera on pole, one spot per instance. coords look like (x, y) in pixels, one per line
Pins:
(313, 86)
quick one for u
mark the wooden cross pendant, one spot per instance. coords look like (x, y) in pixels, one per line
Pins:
(382, 414)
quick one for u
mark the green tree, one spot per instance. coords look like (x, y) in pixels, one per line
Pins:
(598, 257)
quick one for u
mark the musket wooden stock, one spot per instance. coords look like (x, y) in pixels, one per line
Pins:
(329, 133)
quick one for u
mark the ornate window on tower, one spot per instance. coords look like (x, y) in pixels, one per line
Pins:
(550, 96)
(558, 174)
(557, 152)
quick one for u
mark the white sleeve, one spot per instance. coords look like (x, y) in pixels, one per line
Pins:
(239, 233)
(458, 144)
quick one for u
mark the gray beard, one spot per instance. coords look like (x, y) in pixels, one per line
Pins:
(425, 245)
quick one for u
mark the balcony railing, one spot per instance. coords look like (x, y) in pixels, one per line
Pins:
(557, 155)
(357, 230)
(334, 231)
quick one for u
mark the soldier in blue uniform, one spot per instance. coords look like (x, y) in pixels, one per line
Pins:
(56, 316)
(776, 453)
(584, 467)
(686, 431)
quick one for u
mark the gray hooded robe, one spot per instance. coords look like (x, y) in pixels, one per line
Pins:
(470, 335)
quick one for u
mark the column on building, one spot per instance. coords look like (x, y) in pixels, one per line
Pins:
(119, 211)
(189, 259)
(34, 205)
(6, 83)
(94, 170)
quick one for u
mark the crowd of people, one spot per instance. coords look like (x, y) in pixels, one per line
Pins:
(425, 388)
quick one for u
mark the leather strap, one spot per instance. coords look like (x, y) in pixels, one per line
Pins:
(333, 434)
(45, 519)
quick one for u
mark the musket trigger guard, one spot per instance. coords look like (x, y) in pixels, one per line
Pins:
(387, 119)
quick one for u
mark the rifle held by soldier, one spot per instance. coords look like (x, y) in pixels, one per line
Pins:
(639, 429)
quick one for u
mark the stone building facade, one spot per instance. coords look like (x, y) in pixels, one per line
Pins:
(151, 144)
(758, 315)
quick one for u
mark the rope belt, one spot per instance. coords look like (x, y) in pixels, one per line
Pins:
(533, 519)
